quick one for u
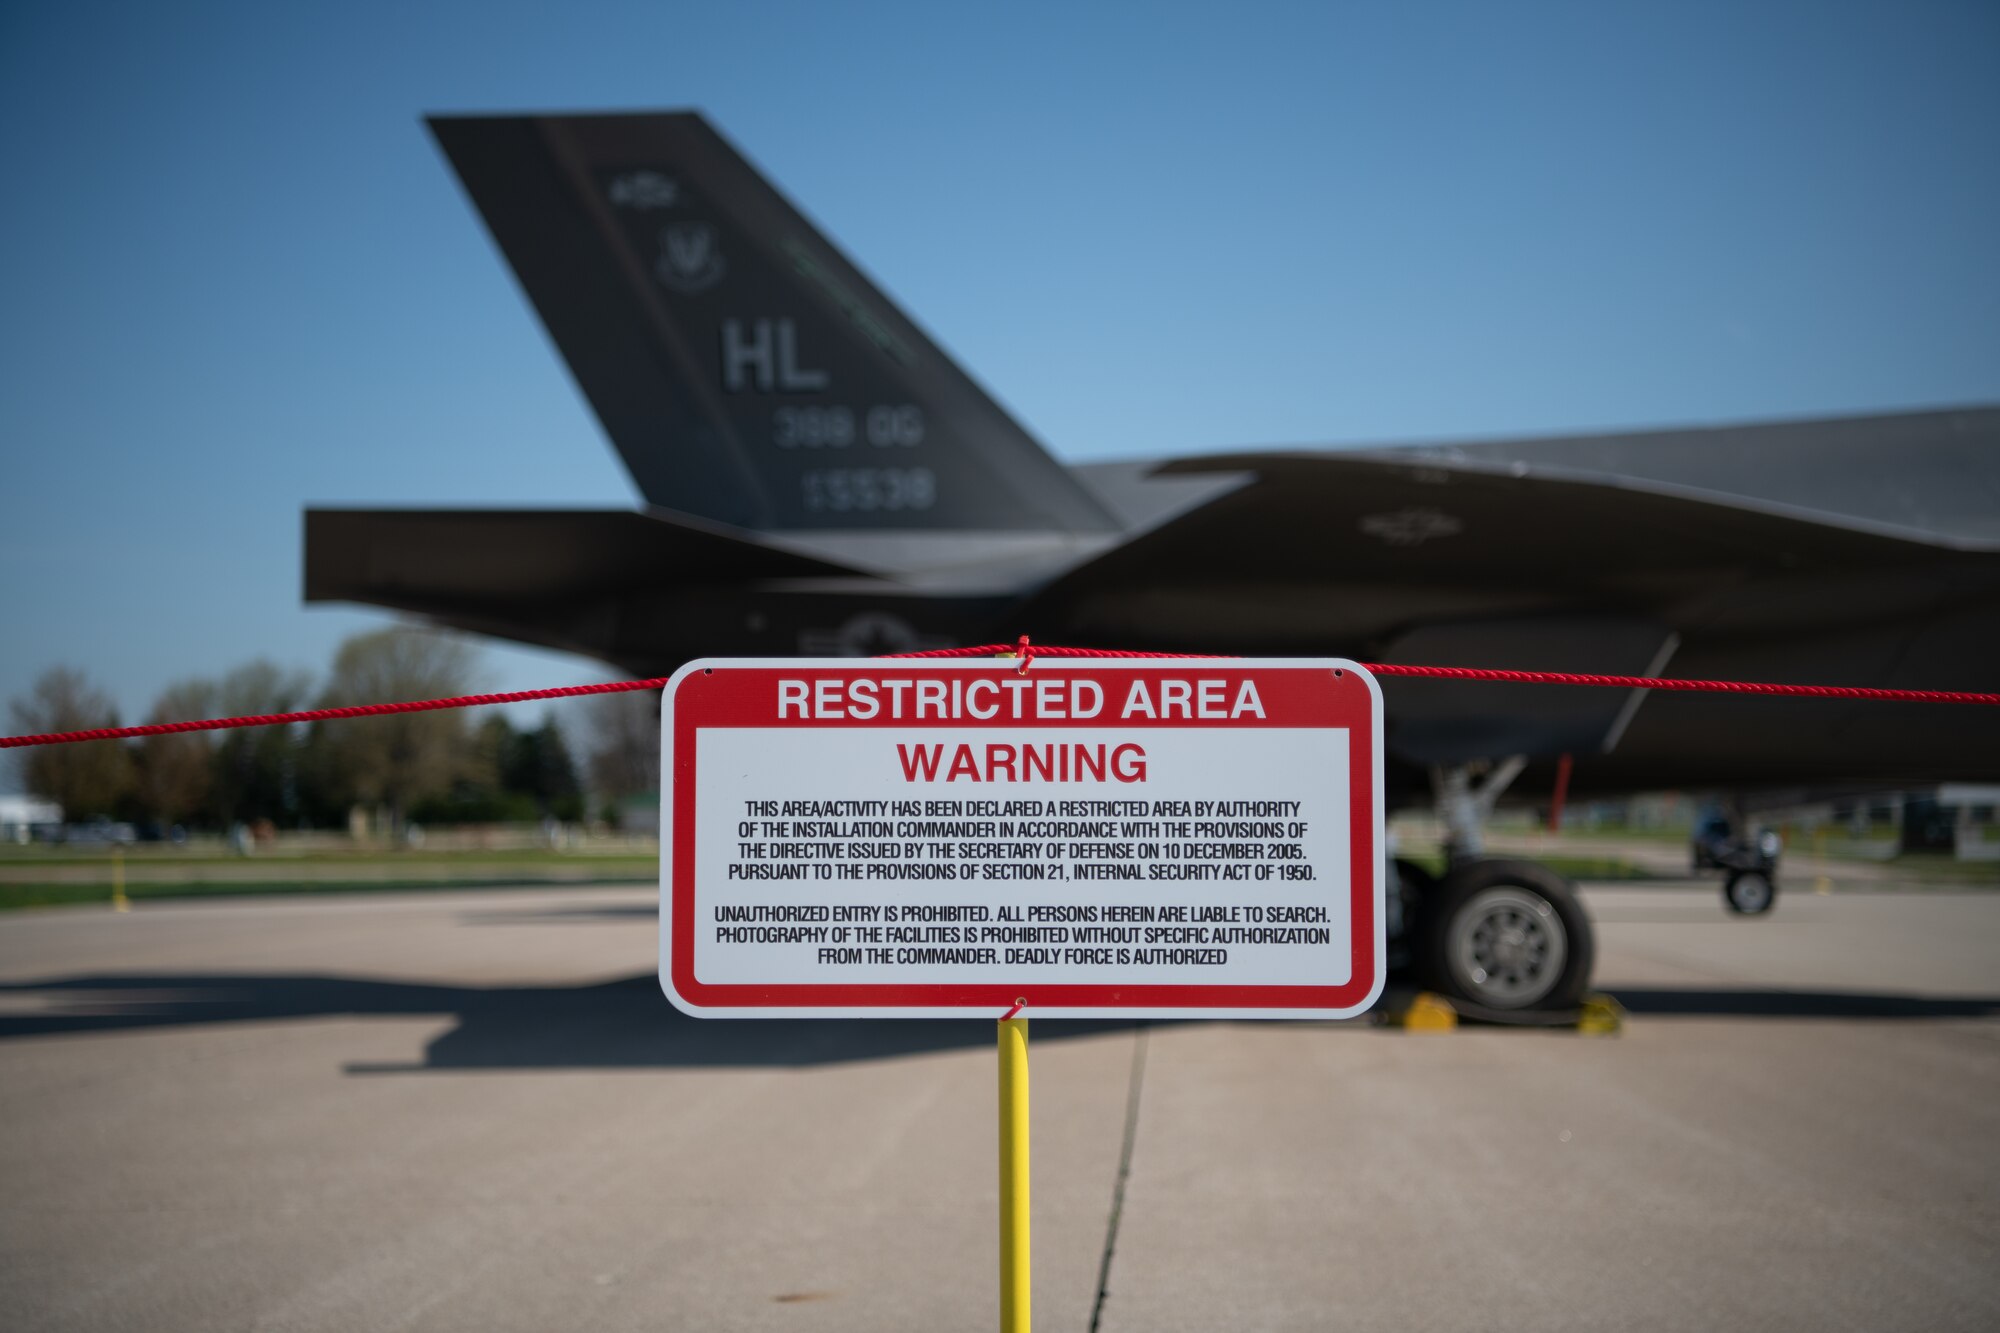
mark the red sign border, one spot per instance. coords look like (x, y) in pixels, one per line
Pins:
(679, 725)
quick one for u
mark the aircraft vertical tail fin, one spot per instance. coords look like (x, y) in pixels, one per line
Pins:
(743, 368)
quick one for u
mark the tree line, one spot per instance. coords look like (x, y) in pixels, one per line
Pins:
(443, 767)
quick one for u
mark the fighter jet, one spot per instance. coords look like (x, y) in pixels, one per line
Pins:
(819, 478)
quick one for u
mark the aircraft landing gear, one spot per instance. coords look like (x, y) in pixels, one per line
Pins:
(1495, 934)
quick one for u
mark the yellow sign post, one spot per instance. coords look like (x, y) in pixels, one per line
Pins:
(1016, 1283)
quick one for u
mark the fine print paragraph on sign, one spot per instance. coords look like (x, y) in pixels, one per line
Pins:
(884, 838)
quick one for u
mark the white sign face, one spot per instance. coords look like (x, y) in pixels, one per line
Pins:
(1090, 837)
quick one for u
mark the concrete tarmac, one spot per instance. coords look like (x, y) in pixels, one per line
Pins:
(474, 1110)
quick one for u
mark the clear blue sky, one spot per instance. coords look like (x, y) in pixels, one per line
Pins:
(239, 280)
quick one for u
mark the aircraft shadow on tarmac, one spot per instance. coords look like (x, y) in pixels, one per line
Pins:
(1800, 1004)
(628, 1024)
(610, 1025)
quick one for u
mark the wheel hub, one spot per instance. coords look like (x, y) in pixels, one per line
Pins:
(1513, 948)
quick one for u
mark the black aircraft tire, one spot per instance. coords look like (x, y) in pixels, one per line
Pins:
(1506, 935)
(1419, 885)
(1416, 887)
(1749, 892)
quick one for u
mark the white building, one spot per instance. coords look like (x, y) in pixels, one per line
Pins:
(20, 816)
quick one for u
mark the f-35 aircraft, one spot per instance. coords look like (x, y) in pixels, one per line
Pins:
(819, 478)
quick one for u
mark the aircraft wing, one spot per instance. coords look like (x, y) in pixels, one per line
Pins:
(1407, 556)
(1361, 547)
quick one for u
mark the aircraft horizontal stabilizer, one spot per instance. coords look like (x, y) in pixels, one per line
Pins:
(644, 591)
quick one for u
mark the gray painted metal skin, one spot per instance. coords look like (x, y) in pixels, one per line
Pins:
(819, 477)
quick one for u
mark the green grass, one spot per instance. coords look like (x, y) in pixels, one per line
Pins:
(1597, 867)
(1943, 870)
(157, 854)
(14, 897)
(1570, 867)
(1583, 833)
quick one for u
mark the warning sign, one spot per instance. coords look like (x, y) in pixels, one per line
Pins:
(912, 838)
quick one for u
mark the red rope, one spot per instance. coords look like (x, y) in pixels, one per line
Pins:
(1702, 686)
(1026, 652)
(323, 714)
